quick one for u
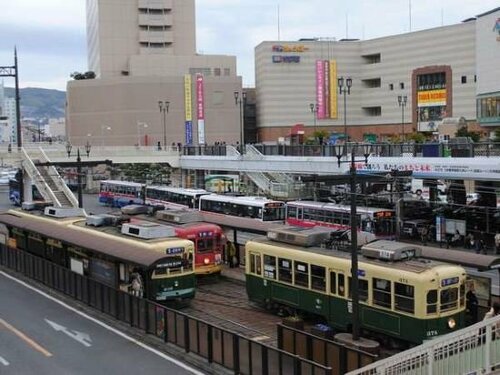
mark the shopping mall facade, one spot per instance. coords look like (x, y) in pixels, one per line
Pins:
(450, 72)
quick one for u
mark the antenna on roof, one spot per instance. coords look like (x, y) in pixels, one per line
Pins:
(409, 11)
(279, 23)
(347, 25)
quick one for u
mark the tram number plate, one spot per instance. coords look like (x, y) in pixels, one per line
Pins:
(432, 333)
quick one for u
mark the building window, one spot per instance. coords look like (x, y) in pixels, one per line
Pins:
(401, 85)
(371, 83)
(227, 72)
(475, 78)
(372, 111)
(391, 86)
(371, 59)
(217, 72)
(464, 79)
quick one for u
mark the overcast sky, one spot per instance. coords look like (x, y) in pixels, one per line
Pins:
(51, 42)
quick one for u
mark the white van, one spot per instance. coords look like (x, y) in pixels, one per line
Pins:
(420, 191)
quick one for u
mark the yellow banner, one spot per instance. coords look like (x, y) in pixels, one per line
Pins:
(188, 105)
(333, 89)
(431, 98)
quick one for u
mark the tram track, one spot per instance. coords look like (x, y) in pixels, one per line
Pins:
(225, 304)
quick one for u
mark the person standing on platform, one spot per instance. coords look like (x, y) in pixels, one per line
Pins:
(423, 234)
(472, 304)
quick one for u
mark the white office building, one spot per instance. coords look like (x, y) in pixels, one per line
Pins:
(143, 53)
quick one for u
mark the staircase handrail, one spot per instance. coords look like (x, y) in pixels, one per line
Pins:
(40, 182)
(59, 181)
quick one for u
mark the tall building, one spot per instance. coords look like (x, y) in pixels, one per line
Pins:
(144, 52)
(400, 84)
(8, 133)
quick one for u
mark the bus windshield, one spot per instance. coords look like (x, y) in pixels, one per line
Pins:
(274, 213)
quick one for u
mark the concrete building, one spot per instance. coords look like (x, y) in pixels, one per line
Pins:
(440, 72)
(144, 52)
(8, 132)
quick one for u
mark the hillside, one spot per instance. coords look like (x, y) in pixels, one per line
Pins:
(40, 103)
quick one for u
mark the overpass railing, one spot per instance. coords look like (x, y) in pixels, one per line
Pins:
(464, 149)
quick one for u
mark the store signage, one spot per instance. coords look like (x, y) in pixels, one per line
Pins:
(431, 98)
(277, 59)
(289, 48)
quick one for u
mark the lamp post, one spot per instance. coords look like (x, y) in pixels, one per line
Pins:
(314, 110)
(164, 105)
(345, 89)
(341, 150)
(240, 100)
(104, 127)
(402, 100)
(139, 125)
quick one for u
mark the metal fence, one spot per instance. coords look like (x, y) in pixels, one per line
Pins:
(322, 350)
(216, 345)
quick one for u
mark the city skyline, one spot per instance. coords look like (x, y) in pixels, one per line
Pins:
(51, 36)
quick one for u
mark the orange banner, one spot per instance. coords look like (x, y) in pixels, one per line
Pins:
(431, 98)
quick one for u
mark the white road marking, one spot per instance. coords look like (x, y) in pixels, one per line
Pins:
(104, 325)
(81, 337)
(3, 361)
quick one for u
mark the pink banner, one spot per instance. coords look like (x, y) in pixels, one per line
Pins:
(320, 89)
(326, 88)
(200, 99)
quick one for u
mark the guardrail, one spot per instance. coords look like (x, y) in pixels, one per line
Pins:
(214, 344)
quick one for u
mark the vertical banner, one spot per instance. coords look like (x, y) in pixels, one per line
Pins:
(320, 87)
(326, 89)
(188, 109)
(200, 109)
(333, 89)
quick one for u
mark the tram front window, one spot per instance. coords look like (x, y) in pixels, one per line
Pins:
(449, 298)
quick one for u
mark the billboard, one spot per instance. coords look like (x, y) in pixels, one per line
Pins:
(222, 183)
(188, 110)
(326, 89)
(431, 98)
(200, 108)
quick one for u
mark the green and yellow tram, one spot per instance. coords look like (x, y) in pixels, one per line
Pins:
(159, 268)
(401, 296)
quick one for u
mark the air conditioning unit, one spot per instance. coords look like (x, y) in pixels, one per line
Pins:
(64, 212)
(147, 231)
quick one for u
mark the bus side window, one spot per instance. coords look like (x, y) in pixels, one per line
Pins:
(432, 301)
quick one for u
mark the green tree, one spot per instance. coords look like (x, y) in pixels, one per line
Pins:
(464, 132)
(321, 135)
(142, 172)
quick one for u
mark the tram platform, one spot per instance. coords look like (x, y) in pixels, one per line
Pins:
(235, 273)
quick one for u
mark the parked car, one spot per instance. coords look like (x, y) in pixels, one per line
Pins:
(413, 228)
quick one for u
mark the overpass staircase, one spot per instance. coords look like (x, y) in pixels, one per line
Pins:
(472, 350)
(275, 184)
(47, 180)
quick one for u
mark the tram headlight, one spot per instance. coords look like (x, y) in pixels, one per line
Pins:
(206, 261)
(452, 323)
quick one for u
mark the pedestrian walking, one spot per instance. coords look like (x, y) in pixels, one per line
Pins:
(469, 241)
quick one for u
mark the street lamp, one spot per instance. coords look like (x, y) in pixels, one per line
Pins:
(164, 105)
(339, 151)
(88, 146)
(68, 148)
(240, 101)
(314, 110)
(139, 125)
(402, 100)
(345, 88)
(104, 127)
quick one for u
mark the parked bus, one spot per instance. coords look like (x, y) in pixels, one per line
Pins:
(174, 197)
(379, 221)
(147, 261)
(120, 193)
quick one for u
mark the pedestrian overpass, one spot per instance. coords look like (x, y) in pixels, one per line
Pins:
(271, 172)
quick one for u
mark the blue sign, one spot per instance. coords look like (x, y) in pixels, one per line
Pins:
(174, 250)
(189, 132)
(285, 59)
(450, 281)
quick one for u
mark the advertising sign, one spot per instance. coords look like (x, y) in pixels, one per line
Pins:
(431, 98)
(200, 108)
(333, 89)
(320, 87)
(188, 109)
(222, 183)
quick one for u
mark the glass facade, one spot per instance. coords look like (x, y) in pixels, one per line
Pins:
(488, 109)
